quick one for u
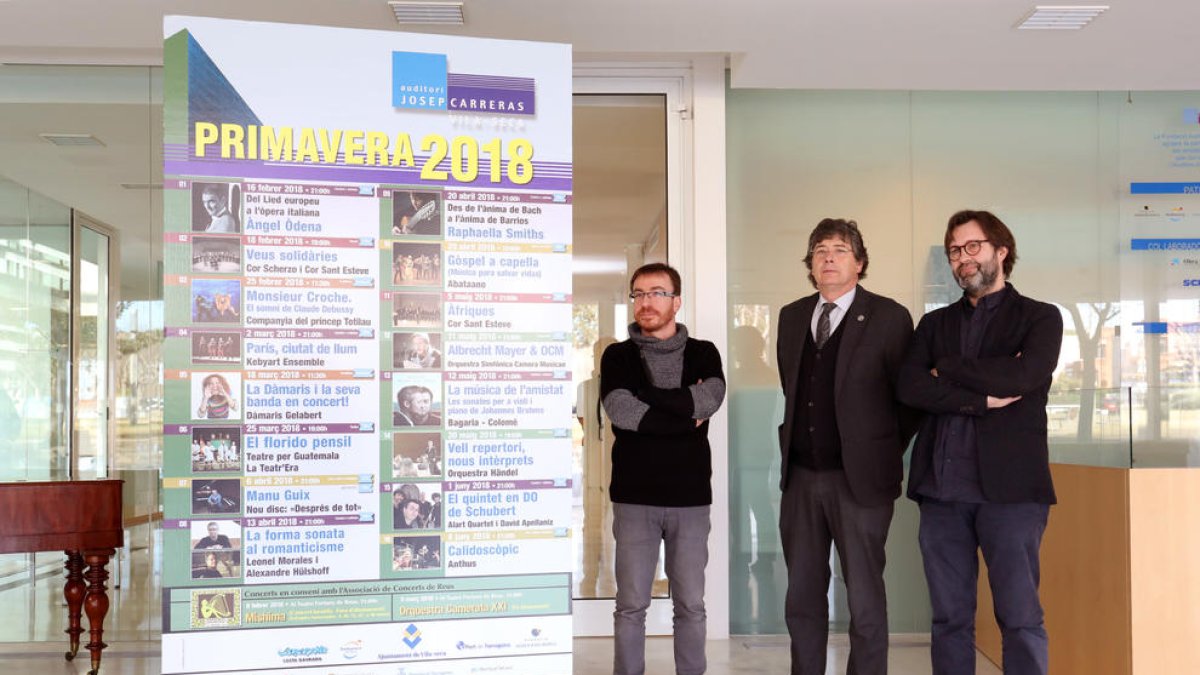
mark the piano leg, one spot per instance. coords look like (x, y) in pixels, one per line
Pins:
(74, 591)
(96, 602)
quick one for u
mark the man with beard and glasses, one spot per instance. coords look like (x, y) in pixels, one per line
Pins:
(980, 470)
(659, 388)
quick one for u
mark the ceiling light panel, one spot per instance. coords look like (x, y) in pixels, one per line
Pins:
(421, 11)
(1060, 17)
(71, 140)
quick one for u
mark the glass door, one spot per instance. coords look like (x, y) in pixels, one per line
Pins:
(624, 210)
(93, 327)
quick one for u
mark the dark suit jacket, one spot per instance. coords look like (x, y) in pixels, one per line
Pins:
(874, 427)
(1017, 358)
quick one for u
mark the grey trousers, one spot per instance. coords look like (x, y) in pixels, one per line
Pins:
(639, 530)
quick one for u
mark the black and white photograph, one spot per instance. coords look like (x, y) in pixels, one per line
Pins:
(216, 208)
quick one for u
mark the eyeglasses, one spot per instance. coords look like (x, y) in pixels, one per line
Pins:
(836, 251)
(970, 247)
(642, 295)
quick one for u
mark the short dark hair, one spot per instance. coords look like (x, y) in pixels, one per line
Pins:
(658, 268)
(838, 228)
(216, 189)
(994, 229)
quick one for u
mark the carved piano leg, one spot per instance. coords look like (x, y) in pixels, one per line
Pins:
(96, 602)
(74, 591)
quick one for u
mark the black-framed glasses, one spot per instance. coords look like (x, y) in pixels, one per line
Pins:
(641, 295)
(969, 247)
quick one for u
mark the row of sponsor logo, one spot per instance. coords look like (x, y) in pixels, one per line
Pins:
(411, 638)
(1174, 214)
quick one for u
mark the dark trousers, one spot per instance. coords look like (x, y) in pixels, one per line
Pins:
(1010, 536)
(818, 509)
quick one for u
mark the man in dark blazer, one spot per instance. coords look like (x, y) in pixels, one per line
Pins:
(843, 439)
(982, 368)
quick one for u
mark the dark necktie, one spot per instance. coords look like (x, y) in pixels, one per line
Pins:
(823, 324)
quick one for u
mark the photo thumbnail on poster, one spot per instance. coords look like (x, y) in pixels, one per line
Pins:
(216, 255)
(216, 300)
(216, 449)
(216, 347)
(216, 208)
(417, 400)
(417, 351)
(418, 213)
(417, 310)
(417, 506)
(216, 395)
(416, 454)
(416, 264)
(216, 496)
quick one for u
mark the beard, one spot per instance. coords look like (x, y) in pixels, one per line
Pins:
(650, 320)
(979, 280)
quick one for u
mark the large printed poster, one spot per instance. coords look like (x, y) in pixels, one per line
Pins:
(367, 284)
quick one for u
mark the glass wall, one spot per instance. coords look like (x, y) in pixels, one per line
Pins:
(80, 232)
(1059, 168)
(35, 335)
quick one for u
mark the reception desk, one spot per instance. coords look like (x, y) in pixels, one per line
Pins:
(1120, 573)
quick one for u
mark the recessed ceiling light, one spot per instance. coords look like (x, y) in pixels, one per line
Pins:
(1060, 17)
(428, 11)
(73, 140)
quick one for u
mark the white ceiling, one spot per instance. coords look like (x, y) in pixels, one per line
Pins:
(802, 44)
(839, 44)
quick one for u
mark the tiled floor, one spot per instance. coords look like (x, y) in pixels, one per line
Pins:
(909, 655)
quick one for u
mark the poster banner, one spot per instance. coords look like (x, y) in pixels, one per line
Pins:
(367, 283)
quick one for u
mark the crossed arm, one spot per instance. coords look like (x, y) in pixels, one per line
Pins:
(970, 386)
(635, 405)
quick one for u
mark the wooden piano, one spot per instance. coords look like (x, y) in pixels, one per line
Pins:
(81, 518)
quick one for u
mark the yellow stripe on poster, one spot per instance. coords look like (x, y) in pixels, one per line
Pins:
(489, 247)
(542, 533)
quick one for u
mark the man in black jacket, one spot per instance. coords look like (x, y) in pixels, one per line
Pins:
(843, 438)
(980, 469)
(659, 388)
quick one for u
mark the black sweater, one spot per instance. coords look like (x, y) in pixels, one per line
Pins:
(667, 461)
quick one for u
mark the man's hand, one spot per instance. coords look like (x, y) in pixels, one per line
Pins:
(699, 422)
(933, 372)
(1000, 402)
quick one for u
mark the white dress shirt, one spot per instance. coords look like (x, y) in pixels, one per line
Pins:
(836, 314)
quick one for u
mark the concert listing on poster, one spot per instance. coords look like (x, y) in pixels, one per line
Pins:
(367, 288)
